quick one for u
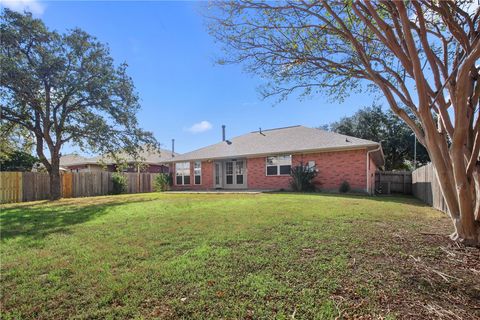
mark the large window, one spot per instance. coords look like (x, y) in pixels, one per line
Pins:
(197, 172)
(279, 165)
(182, 173)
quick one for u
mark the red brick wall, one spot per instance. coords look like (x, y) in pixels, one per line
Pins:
(339, 166)
(206, 181)
(257, 178)
(334, 168)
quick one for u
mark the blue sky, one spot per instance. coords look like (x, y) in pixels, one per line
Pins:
(171, 57)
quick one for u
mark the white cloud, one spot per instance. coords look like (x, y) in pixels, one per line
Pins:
(33, 6)
(202, 126)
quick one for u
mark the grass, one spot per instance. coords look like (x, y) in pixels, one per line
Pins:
(251, 256)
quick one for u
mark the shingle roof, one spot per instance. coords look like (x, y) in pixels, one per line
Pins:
(276, 141)
(68, 159)
(148, 157)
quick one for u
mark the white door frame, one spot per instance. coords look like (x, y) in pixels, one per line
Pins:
(218, 165)
(234, 175)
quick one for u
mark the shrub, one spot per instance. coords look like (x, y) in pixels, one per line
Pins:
(119, 183)
(301, 178)
(344, 187)
(163, 182)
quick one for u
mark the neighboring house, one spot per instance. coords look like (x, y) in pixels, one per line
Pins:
(153, 162)
(262, 160)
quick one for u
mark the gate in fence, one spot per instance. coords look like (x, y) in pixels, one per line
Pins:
(387, 182)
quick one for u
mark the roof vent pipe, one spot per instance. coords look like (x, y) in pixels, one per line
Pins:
(223, 132)
(173, 148)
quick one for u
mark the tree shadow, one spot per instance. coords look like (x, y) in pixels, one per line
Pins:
(33, 222)
(394, 198)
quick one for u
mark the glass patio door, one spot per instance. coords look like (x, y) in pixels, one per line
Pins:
(235, 174)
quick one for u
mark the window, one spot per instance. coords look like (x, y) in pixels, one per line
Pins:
(229, 172)
(197, 172)
(239, 172)
(279, 165)
(182, 173)
(311, 165)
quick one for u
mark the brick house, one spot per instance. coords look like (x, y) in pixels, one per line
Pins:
(262, 160)
(153, 162)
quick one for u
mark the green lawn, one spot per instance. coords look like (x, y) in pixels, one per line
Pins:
(231, 256)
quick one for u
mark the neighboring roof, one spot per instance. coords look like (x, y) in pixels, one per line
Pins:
(147, 157)
(281, 140)
(71, 158)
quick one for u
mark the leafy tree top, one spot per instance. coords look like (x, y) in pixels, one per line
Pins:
(65, 88)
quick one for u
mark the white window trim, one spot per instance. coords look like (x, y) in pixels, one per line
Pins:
(277, 165)
(194, 173)
(183, 175)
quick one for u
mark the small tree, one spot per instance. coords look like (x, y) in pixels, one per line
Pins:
(301, 178)
(119, 183)
(421, 56)
(344, 187)
(65, 89)
(163, 182)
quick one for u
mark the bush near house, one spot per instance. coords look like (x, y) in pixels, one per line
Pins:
(302, 178)
(344, 187)
(120, 183)
(163, 182)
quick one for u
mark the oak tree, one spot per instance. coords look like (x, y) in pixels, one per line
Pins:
(421, 56)
(399, 144)
(65, 89)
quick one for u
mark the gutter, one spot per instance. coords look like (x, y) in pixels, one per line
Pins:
(368, 162)
(255, 155)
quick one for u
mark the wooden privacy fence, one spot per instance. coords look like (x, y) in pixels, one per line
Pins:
(30, 186)
(388, 182)
(11, 187)
(426, 187)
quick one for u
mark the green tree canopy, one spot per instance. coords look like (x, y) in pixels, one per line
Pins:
(66, 89)
(18, 160)
(373, 123)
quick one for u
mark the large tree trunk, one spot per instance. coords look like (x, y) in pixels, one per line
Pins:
(55, 179)
(461, 202)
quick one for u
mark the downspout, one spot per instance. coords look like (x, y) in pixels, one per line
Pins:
(368, 163)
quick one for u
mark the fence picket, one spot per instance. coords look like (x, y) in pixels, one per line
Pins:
(31, 186)
(427, 188)
(400, 181)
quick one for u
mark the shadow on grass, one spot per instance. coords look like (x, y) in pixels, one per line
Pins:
(35, 221)
(395, 198)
